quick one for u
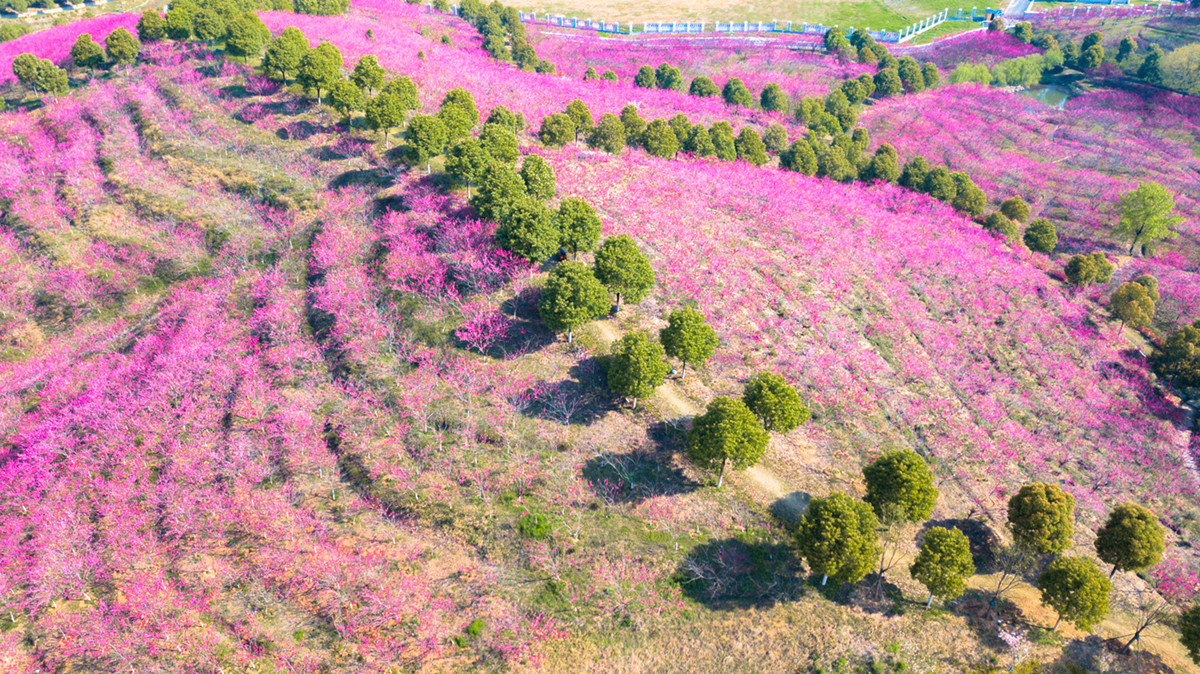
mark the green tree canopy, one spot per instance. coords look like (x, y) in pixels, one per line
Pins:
(930, 74)
(883, 166)
(458, 113)
(579, 225)
(624, 269)
(538, 177)
(1041, 236)
(727, 433)
(529, 230)
(1015, 209)
(580, 116)
(1179, 358)
(151, 27)
(1024, 32)
(1126, 49)
(1041, 518)
(888, 83)
(505, 117)
(1090, 40)
(637, 367)
(1151, 285)
(320, 68)
(900, 484)
(609, 134)
(209, 25)
(345, 97)
(699, 143)
(179, 23)
(645, 78)
(1076, 590)
(1189, 632)
(688, 337)
(837, 538)
(721, 135)
(1131, 540)
(285, 52)
(244, 36)
(1151, 68)
(426, 137)
(703, 87)
(1085, 269)
(775, 402)
(773, 99)
(572, 296)
(499, 192)
(939, 184)
(750, 148)
(775, 138)
(121, 47)
(667, 76)
(943, 563)
(468, 163)
(682, 126)
(914, 173)
(87, 54)
(499, 142)
(910, 75)
(736, 93)
(968, 198)
(660, 140)
(385, 112)
(800, 157)
(1131, 303)
(368, 74)
(557, 130)
(405, 90)
(1147, 215)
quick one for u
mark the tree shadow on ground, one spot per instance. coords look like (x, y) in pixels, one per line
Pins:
(733, 574)
(983, 539)
(288, 108)
(985, 616)
(580, 400)
(376, 178)
(1095, 654)
(301, 130)
(788, 509)
(635, 476)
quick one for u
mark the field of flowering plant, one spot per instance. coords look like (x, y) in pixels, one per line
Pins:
(55, 43)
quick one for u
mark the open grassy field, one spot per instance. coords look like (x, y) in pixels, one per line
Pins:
(873, 14)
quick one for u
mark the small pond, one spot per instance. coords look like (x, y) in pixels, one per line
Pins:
(1050, 94)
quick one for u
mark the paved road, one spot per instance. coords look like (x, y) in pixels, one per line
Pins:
(1017, 8)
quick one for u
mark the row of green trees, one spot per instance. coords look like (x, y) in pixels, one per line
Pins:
(44, 77)
(504, 36)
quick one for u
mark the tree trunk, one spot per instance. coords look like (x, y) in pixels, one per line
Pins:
(1110, 573)
(635, 407)
(683, 370)
(1056, 622)
(930, 602)
(386, 140)
(721, 476)
(824, 578)
(1136, 637)
(618, 302)
(571, 337)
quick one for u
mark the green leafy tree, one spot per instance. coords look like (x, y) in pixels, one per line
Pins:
(1024, 32)
(883, 167)
(659, 139)
(610, 76)
(1131, 539)
(609, 134)
(775, 138)
(579, 225)
(25, 68)
(209, 26)
(580, 116)
(699, 142)
(385, 113)
(505, 117)
(538, 177)
(151, 27)
(1015, 209)
(645, 78)
(1151, 68)
(572, 297)
(736, 93)
(590, 74)
(943, 563)
(838, 105)
(682, 126)
(1126, 49)
(914, 173)
(900, 485)
(121, 47)
(968, 198)
(1131, 303)
(557, 130)
(837, 538)
(1041, 518)
(1045, 42)
(703, 87)
(468, 163)
(345, 97)
(996, 223)
(624, 269)
(939, 184)
(1041, 236)
(49, 78)
(1189, 632)
(929, 72)
(800, 157)
(458, 113)
(668, 77)
(1147, 215)
(1085, 269)
(727, 433)
(368, 74)
(721, 135)
(529, 230)
(87, 54)
(322, 7)
(688, 337)
(1092, 39)
(1070, 52)
(837, 45)
(775, 402)
(888, 83)
(1151, 285)
(500, 142)
(1091, 57)
(1179, 358)
(833, 164)
(910, 75)
(244, 36)
(1076, 590)
(179, 23)
(773, 99)
(750, 148)
(426, 137)
(285, 52)
(499, 192)
(637, 367)
(320, 68)
(405, 90)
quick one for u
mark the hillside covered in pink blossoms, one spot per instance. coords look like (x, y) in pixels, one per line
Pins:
(282, 387)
